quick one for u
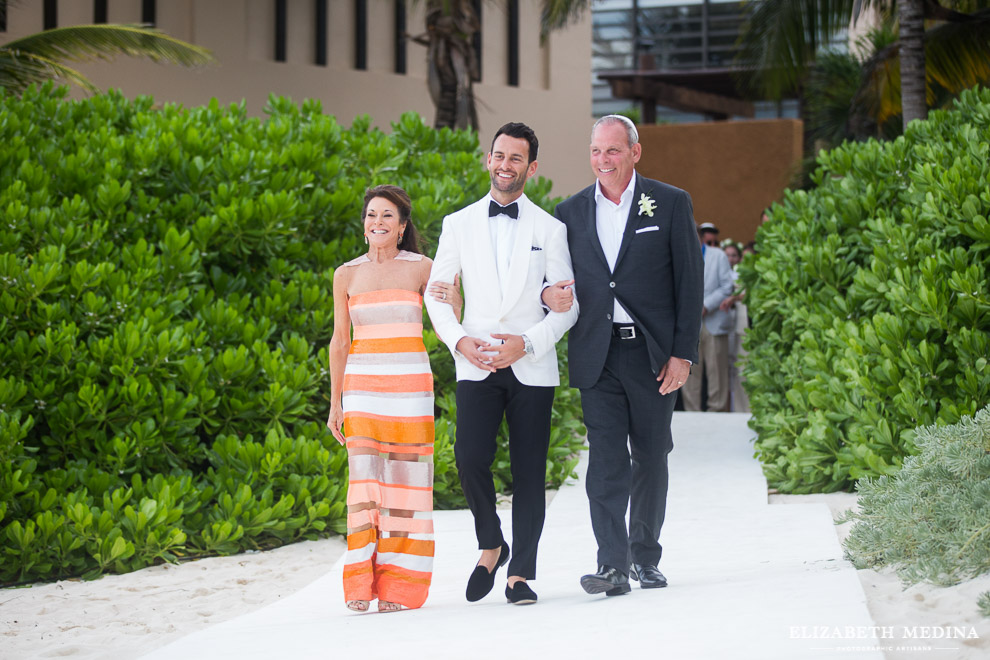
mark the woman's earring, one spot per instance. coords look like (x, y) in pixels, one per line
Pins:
(365, 239)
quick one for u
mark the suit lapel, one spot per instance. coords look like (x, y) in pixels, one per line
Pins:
(483, 254)
(592, 225)
(632, 222)
(519, 259)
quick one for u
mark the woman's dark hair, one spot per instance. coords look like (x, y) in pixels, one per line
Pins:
(399, 197)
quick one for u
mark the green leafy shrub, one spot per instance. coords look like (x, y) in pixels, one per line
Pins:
(165, 311)
(931, 520)
(983, 602)
(870, 302)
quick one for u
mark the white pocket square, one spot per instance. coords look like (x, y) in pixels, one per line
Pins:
(642, 229)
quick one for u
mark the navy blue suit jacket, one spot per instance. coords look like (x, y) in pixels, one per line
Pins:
(658, 279)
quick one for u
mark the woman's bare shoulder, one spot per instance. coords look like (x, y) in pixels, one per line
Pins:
(342, 274)
(363, 259)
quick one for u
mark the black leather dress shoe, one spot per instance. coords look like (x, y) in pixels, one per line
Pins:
(520, 594)
(649, 577)
(482, 580)
(611, 581)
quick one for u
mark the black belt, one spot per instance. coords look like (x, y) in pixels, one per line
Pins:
(625, 331)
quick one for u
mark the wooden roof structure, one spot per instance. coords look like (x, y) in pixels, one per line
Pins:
(711, 92)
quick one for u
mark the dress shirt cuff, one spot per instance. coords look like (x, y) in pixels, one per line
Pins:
(546, 285)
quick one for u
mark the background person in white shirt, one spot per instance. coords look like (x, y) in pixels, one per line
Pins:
(713, 352)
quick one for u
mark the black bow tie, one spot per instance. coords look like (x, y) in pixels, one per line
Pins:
(512, 210)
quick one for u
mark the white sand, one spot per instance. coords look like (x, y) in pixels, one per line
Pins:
(895, 607)
(125, 616)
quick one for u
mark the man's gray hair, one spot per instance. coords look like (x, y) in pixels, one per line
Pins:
(631, 133)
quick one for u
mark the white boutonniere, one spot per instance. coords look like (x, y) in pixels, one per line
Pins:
(646, 205)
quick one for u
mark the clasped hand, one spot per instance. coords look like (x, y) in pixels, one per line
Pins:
(490, 357)
(559, 297)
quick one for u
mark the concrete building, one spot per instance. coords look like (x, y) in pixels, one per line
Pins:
(352, 55)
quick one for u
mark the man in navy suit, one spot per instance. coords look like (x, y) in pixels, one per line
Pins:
(638, 274)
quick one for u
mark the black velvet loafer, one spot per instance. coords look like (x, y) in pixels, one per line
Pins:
(520, 594)
(482, 580)
(608, 580)
(648, 576)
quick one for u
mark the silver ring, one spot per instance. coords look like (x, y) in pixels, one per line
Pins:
(680, 382)
(443, 296)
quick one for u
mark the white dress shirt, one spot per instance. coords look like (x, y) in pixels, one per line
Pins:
(610, 220)
(502, 230)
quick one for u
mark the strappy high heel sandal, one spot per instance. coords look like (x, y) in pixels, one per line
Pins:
(388, 606)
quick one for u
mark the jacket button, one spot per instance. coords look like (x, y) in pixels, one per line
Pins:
(608, 316)
(611, 285)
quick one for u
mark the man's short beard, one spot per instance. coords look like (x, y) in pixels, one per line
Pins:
(517, 184)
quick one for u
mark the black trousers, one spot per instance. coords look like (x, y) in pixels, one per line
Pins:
(480, 407)
(629, 437)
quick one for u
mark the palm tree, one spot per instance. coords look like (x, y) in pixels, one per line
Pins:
(42, 56)
(783, 38)
(838, 105)
(452, 65)
(914, 104)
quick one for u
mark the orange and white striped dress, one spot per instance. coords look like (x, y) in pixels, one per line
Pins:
(388, 409)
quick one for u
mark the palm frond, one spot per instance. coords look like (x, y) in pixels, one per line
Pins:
(957, 55)
(877, 100)
(832, 85)
(781, 38)
(82, 43)
(20, 70)
(952, 10)
(557, 14)
(880, 90)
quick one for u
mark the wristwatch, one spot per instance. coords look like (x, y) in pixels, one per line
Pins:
(527, 345)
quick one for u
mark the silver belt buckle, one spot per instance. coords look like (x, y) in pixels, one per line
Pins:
(632, 331)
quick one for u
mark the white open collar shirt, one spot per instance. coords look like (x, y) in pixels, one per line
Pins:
(610, 220)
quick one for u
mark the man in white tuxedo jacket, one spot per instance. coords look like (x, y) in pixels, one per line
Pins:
(505, 249)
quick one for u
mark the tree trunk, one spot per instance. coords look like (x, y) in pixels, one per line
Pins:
(451, 62)
(914, 103)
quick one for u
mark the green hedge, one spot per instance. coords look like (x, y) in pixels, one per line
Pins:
(165, 279)
(931, 520)
(870, 302)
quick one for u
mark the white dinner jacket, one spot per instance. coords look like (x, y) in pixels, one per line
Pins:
(539, 256)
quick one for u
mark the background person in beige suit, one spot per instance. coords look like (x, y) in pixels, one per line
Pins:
(713, 350)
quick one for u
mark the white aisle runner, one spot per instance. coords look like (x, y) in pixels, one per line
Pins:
(748, 580)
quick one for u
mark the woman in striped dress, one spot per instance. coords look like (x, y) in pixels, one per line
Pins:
(382, 409)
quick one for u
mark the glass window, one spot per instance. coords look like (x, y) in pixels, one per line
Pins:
(677, 33)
